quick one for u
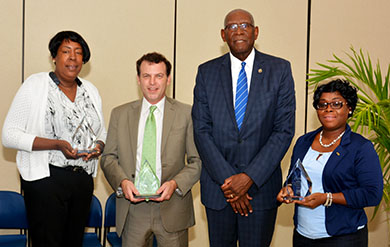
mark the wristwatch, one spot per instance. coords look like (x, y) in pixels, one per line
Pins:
(119, 192)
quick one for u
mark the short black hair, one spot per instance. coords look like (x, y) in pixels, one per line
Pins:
(348, 92)
(154, 57)
(57, 40)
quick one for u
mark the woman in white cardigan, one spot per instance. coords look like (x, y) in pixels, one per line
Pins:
(56, 124)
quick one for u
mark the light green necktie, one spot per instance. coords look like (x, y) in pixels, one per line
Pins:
(147, 181)
(149, 144)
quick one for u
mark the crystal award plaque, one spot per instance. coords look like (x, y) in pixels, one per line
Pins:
(84, 138)
(147, 182)
(294, 180)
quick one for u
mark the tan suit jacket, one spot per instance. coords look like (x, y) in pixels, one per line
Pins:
(119, 160)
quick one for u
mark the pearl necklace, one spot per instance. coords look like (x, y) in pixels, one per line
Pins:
(333, 142)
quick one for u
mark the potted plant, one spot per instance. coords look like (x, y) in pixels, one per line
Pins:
(372, 113)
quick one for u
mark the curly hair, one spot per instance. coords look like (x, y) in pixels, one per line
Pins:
(348, 92)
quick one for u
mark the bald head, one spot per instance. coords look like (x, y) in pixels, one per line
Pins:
(238, 11)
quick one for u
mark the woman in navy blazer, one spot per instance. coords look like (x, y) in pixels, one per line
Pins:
(345, 172)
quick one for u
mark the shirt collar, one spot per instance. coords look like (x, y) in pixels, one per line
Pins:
(146, 105)
(57, 81)
(248, 61)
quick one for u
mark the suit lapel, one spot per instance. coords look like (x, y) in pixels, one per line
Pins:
(133, 122)
(336, 157)
(168, 120)
(302, 149)
(227, 88)
(255, 86)
(340, 152)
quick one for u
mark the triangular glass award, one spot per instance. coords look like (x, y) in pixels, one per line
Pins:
(84, 138)
(147, 182)
(294, 180)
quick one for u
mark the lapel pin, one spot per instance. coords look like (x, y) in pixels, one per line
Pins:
(338, 154)
(260, 70)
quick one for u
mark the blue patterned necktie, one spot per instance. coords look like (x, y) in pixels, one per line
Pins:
(241, 96)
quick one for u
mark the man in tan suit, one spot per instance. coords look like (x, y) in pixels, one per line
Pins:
(169, 216)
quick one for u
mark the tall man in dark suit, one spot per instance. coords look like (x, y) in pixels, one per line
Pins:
(244, 120)
(175, 160)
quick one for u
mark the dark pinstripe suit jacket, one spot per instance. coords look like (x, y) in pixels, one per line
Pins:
(265, 135)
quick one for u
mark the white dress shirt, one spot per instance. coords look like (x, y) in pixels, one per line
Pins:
(236, 67)
(159, 116)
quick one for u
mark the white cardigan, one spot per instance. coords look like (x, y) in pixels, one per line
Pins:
(26, 120)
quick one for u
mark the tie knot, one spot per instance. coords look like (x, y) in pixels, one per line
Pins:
(243, 64)
(152, 108)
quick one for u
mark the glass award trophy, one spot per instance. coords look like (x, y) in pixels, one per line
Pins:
(84, 138)
(147, 182)
(294, 182)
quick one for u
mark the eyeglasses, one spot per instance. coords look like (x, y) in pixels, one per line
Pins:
(234, 26)
(334, 105)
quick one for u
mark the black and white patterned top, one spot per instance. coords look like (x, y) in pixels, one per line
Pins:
(75, 122)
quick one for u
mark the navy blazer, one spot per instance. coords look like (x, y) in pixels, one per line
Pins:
(265, 135)
(353, 169)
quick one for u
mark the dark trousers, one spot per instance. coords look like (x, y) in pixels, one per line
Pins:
(356, 239)
(227, 227)
(58, 207)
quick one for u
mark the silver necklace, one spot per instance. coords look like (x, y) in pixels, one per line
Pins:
(333, 142)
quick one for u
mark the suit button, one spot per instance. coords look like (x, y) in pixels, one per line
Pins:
(132, 175)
